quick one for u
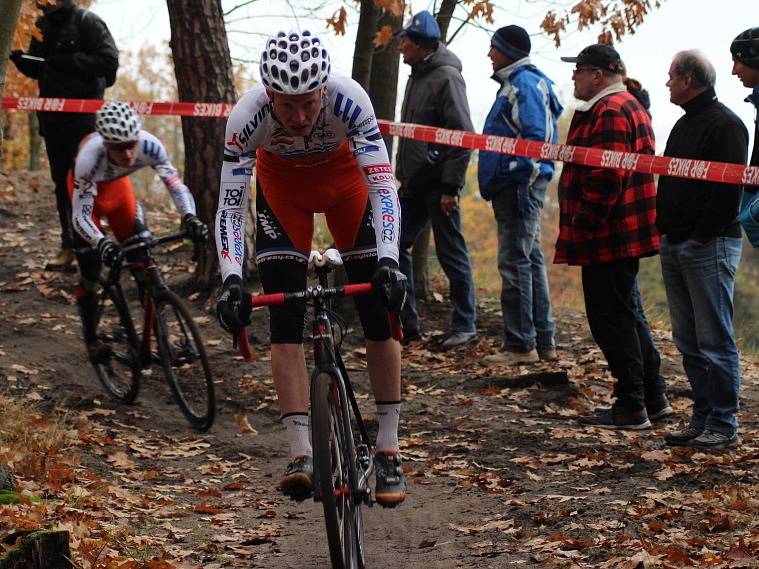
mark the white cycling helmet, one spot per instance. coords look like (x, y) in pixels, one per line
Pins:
(294, 63)
(117, 122)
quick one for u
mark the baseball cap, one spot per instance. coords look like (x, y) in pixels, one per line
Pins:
(598, 55)
(423, 24)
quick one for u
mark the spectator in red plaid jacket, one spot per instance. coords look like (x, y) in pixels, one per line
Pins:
(606, 224)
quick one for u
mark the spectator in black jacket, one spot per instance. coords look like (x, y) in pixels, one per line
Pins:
(76, 58)
(432, 175)
(700, 249)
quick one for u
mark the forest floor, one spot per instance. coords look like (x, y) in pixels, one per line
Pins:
(500, 473)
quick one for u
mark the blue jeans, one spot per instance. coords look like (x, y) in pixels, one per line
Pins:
(452, 253)
(699, 280)
(525, 302)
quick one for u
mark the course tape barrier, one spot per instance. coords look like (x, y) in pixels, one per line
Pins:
(595, 157)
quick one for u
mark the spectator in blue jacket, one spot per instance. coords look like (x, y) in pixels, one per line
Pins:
(525, 107)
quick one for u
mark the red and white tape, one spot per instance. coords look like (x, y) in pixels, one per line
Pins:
(596, 157)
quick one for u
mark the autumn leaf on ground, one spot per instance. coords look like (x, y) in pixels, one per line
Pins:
(243, 425)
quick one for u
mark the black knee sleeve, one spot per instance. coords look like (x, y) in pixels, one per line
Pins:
(286, 323)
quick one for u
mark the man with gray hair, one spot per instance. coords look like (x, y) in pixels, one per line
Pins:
(700, 249)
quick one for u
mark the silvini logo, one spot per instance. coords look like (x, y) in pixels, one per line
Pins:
(252, 125)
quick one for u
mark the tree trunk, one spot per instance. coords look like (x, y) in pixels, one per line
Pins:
(420, 262)
(444, 15)
(40, 550)
(35, 141)
(383, 83)
(364, 47)
(203, 69)
(10, 10)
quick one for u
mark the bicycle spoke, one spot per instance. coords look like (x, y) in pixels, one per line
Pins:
(184, 360)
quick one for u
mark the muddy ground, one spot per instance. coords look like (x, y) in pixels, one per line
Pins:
(499, 471)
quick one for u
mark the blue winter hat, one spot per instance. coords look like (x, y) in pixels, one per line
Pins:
(512, 41)
(422, 25)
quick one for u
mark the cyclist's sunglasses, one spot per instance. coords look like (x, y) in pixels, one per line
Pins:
(121, 146)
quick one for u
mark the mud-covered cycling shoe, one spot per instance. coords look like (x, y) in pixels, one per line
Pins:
(390, 489)
(298, 480)
(99, 353)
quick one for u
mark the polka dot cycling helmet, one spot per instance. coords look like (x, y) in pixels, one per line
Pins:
(117, 122)
(294, 63)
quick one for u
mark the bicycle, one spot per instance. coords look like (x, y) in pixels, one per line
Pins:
(342, 468)
(165, 316)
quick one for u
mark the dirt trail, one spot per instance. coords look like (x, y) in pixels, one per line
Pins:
(499, 475)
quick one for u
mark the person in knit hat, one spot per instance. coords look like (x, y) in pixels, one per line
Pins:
(432, 175)
(525, 107)
(745, 51)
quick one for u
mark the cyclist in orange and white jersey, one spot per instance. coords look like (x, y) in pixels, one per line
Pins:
(314, 141)
(99, 187)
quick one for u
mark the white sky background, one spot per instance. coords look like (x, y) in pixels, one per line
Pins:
(678, 24)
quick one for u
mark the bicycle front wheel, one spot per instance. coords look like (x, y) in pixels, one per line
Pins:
(184, 360)
(119, 371)
(334, 457)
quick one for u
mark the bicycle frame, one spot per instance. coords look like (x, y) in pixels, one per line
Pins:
(154, 283)
(328, 360)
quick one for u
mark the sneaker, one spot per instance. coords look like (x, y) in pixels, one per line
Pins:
(714, 439)
(456, 339)
(683, 436)
(99, 352)
(615, 417)
(391, 485)
(298, 479)
(659, 409)
(506, 358)
(62, 262)
(547, 354)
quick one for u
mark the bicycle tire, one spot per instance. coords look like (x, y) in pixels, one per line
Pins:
(184, 361)
(121, 374)
(334, 459)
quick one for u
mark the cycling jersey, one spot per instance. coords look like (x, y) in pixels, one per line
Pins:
(93, 170)
(346, 115)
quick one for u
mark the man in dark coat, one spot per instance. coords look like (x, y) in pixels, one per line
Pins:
(76, 59)
(432, 175)
(700, 251)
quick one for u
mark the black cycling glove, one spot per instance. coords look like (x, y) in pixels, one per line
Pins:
(234, 305)
(110, 252)
(196, 229)
(390, 284)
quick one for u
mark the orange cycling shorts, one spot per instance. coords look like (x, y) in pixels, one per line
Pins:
(297, 188)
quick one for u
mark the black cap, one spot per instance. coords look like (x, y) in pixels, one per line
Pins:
(598, 55)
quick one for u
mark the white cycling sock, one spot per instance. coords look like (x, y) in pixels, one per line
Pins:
(388, 415)
(297, 434)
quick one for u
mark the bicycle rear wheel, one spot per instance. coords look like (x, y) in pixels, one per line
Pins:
(184, 360)
(121, 372)
(334, 459)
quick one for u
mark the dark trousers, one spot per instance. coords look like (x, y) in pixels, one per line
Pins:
(619, 327)
(452, 253)
(61, 144)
